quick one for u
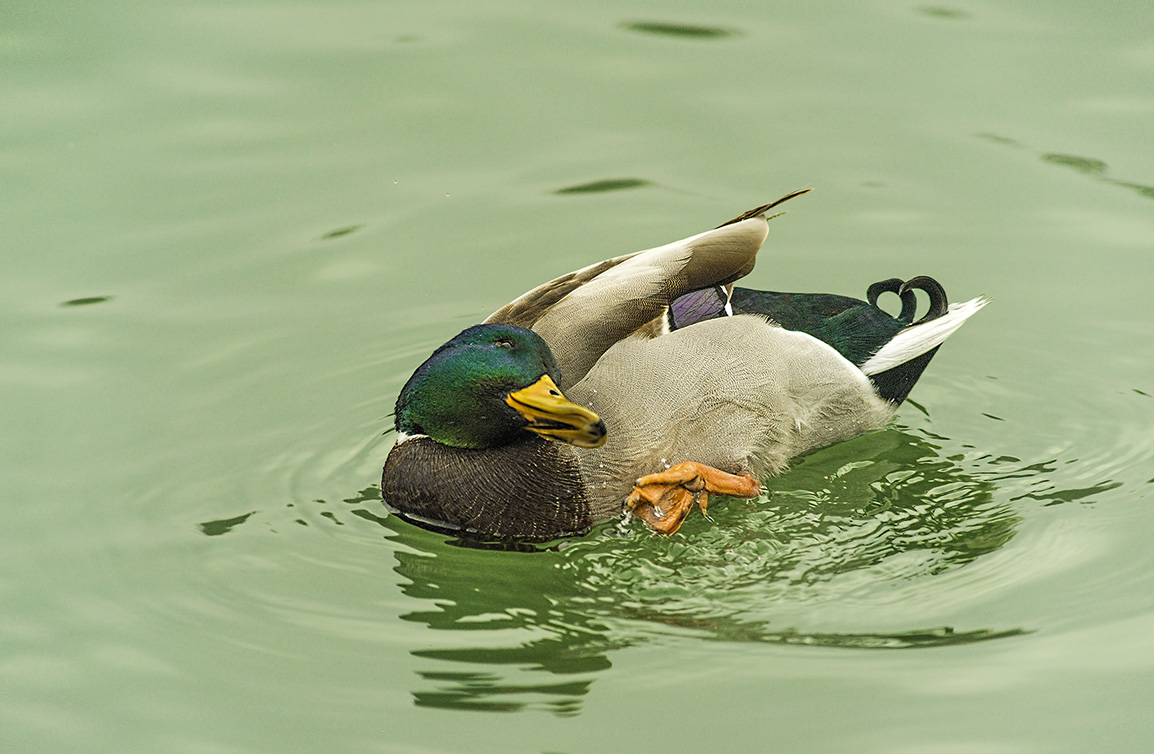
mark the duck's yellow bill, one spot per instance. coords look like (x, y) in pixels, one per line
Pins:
(552, 415)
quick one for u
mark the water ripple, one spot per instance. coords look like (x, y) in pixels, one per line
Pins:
(604, 185)
(684, 31)
(876, 543)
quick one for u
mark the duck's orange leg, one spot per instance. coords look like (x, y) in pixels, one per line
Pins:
(664, 499)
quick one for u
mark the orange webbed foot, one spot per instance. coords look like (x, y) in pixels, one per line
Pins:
(664, 499)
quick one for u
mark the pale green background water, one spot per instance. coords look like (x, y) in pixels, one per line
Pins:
(267, 214)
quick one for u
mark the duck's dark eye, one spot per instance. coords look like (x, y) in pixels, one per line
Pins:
(506, 343)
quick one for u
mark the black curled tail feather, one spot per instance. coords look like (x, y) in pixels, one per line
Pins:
(939, 303)
(895, 384)
(895, 285)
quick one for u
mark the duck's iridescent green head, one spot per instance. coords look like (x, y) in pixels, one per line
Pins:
(488, 385)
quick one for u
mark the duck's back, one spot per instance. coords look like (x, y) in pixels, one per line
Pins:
(736, 393)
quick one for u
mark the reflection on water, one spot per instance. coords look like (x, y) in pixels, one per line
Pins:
(937, 11)
(858, 523)
(1089, 166)
(341, 232)
(224, 525)
(86, 301)
(685, 31)
(607, 184)
(841, 552)
(1085, 165)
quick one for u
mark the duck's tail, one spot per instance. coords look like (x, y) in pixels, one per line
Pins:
(899, 363)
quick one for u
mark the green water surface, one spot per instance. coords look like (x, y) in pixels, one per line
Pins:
(232, 230)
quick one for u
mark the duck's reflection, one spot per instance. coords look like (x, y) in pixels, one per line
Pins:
(861, 521)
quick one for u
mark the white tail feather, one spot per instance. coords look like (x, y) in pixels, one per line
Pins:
(917, 339)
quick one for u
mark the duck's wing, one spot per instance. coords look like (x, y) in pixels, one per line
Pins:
(582, 314)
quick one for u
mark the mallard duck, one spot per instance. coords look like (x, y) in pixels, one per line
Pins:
(642, 384)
